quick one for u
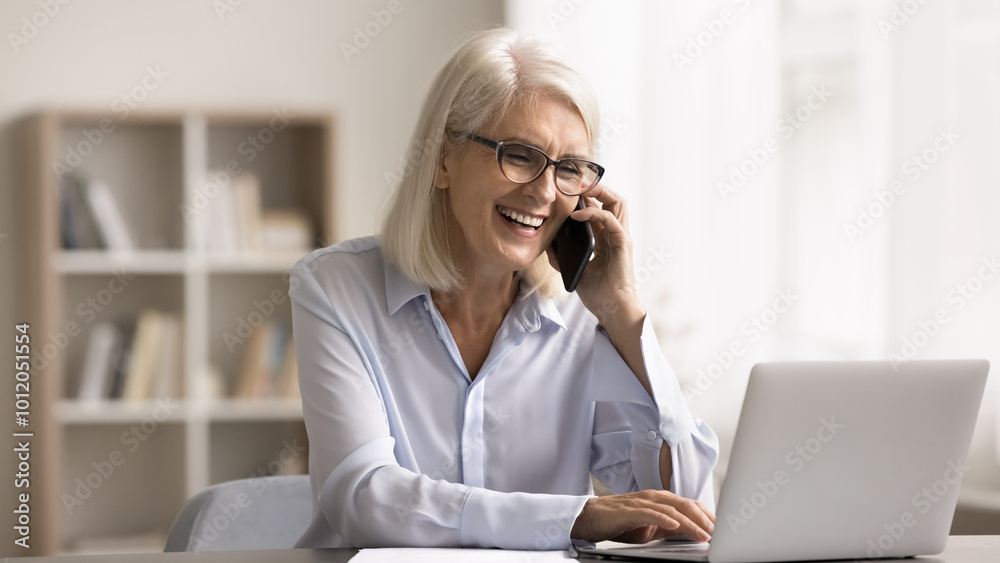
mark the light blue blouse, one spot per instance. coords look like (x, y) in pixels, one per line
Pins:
(406, 450)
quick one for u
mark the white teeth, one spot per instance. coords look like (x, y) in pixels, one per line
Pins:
(524, 220)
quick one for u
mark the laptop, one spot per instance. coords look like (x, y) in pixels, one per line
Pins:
(840, 460)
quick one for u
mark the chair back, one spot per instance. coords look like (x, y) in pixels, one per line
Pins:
(259, 513)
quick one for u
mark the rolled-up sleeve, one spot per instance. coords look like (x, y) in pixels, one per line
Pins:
(630, 427)
(363, 497)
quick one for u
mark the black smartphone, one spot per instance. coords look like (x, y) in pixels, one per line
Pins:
(573, 245)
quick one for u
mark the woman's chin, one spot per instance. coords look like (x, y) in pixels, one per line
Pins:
(521, 257)
(526, 261)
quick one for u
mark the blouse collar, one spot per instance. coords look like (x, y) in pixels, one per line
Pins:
(400, 290)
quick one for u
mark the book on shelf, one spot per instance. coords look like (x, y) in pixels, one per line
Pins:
(285, 230)
(299, 465)
(90, 217)
(77, 222)
(234, 216)
(269, 369)
(209, 384)
(256, 348)
(152, 369)
(135, 360)
(145, 351)
(108, 216)
(167, 380)
(237, 222)
(120, 371)
(104, 349)
(246, 192)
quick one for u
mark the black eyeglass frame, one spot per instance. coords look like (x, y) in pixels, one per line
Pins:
(501, 146)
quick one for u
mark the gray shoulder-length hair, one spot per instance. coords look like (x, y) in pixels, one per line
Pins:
(488, 74)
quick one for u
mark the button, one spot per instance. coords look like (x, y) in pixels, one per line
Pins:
(650, 435)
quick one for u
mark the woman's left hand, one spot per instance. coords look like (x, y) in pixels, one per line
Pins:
(607, 287)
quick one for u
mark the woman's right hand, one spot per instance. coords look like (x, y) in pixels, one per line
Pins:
(642, 517)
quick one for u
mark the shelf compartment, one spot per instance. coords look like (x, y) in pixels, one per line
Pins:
(239, 304)
(141, 163)
(287, 152)
(131, 475)
(118, 298)
(240, 450)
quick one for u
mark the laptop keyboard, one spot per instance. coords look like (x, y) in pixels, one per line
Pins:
(682, 548)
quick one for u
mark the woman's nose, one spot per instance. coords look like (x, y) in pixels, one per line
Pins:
(543, 188)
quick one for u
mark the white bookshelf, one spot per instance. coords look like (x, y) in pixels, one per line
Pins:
(153, 163)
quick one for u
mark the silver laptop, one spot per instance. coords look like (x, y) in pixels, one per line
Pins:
(840, 460)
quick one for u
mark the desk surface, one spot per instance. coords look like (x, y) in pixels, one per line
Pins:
(259, 556)
(961, 549)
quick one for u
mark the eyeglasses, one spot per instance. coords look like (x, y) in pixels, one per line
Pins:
(522, 164)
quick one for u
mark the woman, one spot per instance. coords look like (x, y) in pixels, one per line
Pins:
(454, 395)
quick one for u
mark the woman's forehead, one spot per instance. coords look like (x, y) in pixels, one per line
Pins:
(544, 120)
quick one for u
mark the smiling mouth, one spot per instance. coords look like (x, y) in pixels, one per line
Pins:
(520, 220)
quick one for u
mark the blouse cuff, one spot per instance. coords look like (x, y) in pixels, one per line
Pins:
(666, 415)
(698, 455)
(663, 418)
(526, 521)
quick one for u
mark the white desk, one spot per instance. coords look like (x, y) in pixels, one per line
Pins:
(961, 549)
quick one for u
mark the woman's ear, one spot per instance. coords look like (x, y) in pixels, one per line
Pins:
(445, 160)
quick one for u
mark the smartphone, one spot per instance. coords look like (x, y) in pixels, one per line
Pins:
(573, 245)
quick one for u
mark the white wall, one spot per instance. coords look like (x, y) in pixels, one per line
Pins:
(260, 55)
(676, 127)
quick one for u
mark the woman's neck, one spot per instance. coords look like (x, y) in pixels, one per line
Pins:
(480, 304)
